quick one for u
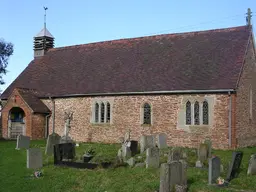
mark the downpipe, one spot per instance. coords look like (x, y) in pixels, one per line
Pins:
(230, 121)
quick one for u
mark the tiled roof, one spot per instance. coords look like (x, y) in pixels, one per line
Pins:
(204, 60)
(30, 97)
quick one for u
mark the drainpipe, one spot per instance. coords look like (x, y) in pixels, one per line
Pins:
(230, 120)
(46, 125)
(53, 115)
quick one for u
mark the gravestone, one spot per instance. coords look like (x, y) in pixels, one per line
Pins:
(214, 169)
(174, 155)
(51, 141)
(172, 174)
(34, 158)
(127, 136)
(234, 167)
(164, 177)
(134, 147)
(202, 152)
(161, 140)
(22, 142)
(252, 165)
(126, 152)
(152, 157)
(146, 141)
(64, 151)
(208, 142)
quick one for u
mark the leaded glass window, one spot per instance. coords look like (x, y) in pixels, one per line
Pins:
(96, 113)
(205, 113)
(196, 113)
(147, 114)
(108, 112)
(102, 112)
(188, 113)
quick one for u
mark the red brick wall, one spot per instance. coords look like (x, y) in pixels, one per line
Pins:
(246, 127)
(34, 123)
(9, 105)
(38, 122)
(126, 115)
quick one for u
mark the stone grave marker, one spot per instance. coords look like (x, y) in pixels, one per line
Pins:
(152, 157)
(208, 142)
(214, 169)
(34, 158)
(134, 147)
(174, 155)
(126, 152)
(51, 141)
(234, 167)
(64, 151)
(161, 140)
(146, 141)
(172, 174)
(22, 142)
(202, 152)
(252, 165)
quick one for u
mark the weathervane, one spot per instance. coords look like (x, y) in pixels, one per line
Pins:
(45, 8)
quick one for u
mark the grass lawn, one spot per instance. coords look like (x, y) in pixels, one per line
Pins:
(14, 176)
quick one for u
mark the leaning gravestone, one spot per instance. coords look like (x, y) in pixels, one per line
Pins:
(52, 140)
(34, 158)
(146, 141)
(152, 157)
(22, 142)
(161, 140)
(234, 167)
(214, 170)
(134, 147)
(174, 155)
(252, 165)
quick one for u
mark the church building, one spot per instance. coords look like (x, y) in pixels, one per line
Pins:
(191, 86)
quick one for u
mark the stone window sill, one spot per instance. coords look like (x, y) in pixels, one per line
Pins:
(146, 125)
(100, 124)
(196, 128)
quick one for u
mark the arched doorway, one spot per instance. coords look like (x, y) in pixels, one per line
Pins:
(16, 122)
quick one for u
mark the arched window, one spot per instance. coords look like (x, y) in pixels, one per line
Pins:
(102, 112)
(196, 113)
(108, 112)
(96, 113)
(147, 114)
(188, 113)
(205, 113)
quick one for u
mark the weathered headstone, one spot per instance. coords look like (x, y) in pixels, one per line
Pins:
(202, 152)
(177, 174)
(126, 152)
(127, 136)
(164, 177)
(208, 142)
(152, 157)
(22, 142)
(214, 169)
(174, 155)
(199, 164)
(51, 141)
(161, 140)
(34, 158)
(252, 165)
(146, 141)
(234, 167)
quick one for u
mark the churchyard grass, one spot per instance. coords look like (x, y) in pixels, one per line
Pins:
(14, 176)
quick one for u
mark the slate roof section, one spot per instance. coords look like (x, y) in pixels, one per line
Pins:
(30, 97)
(44, 33)
(204, 60)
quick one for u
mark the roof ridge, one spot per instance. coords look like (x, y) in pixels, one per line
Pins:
(227, 29)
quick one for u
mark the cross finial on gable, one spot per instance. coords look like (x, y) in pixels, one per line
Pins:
(248, 17)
